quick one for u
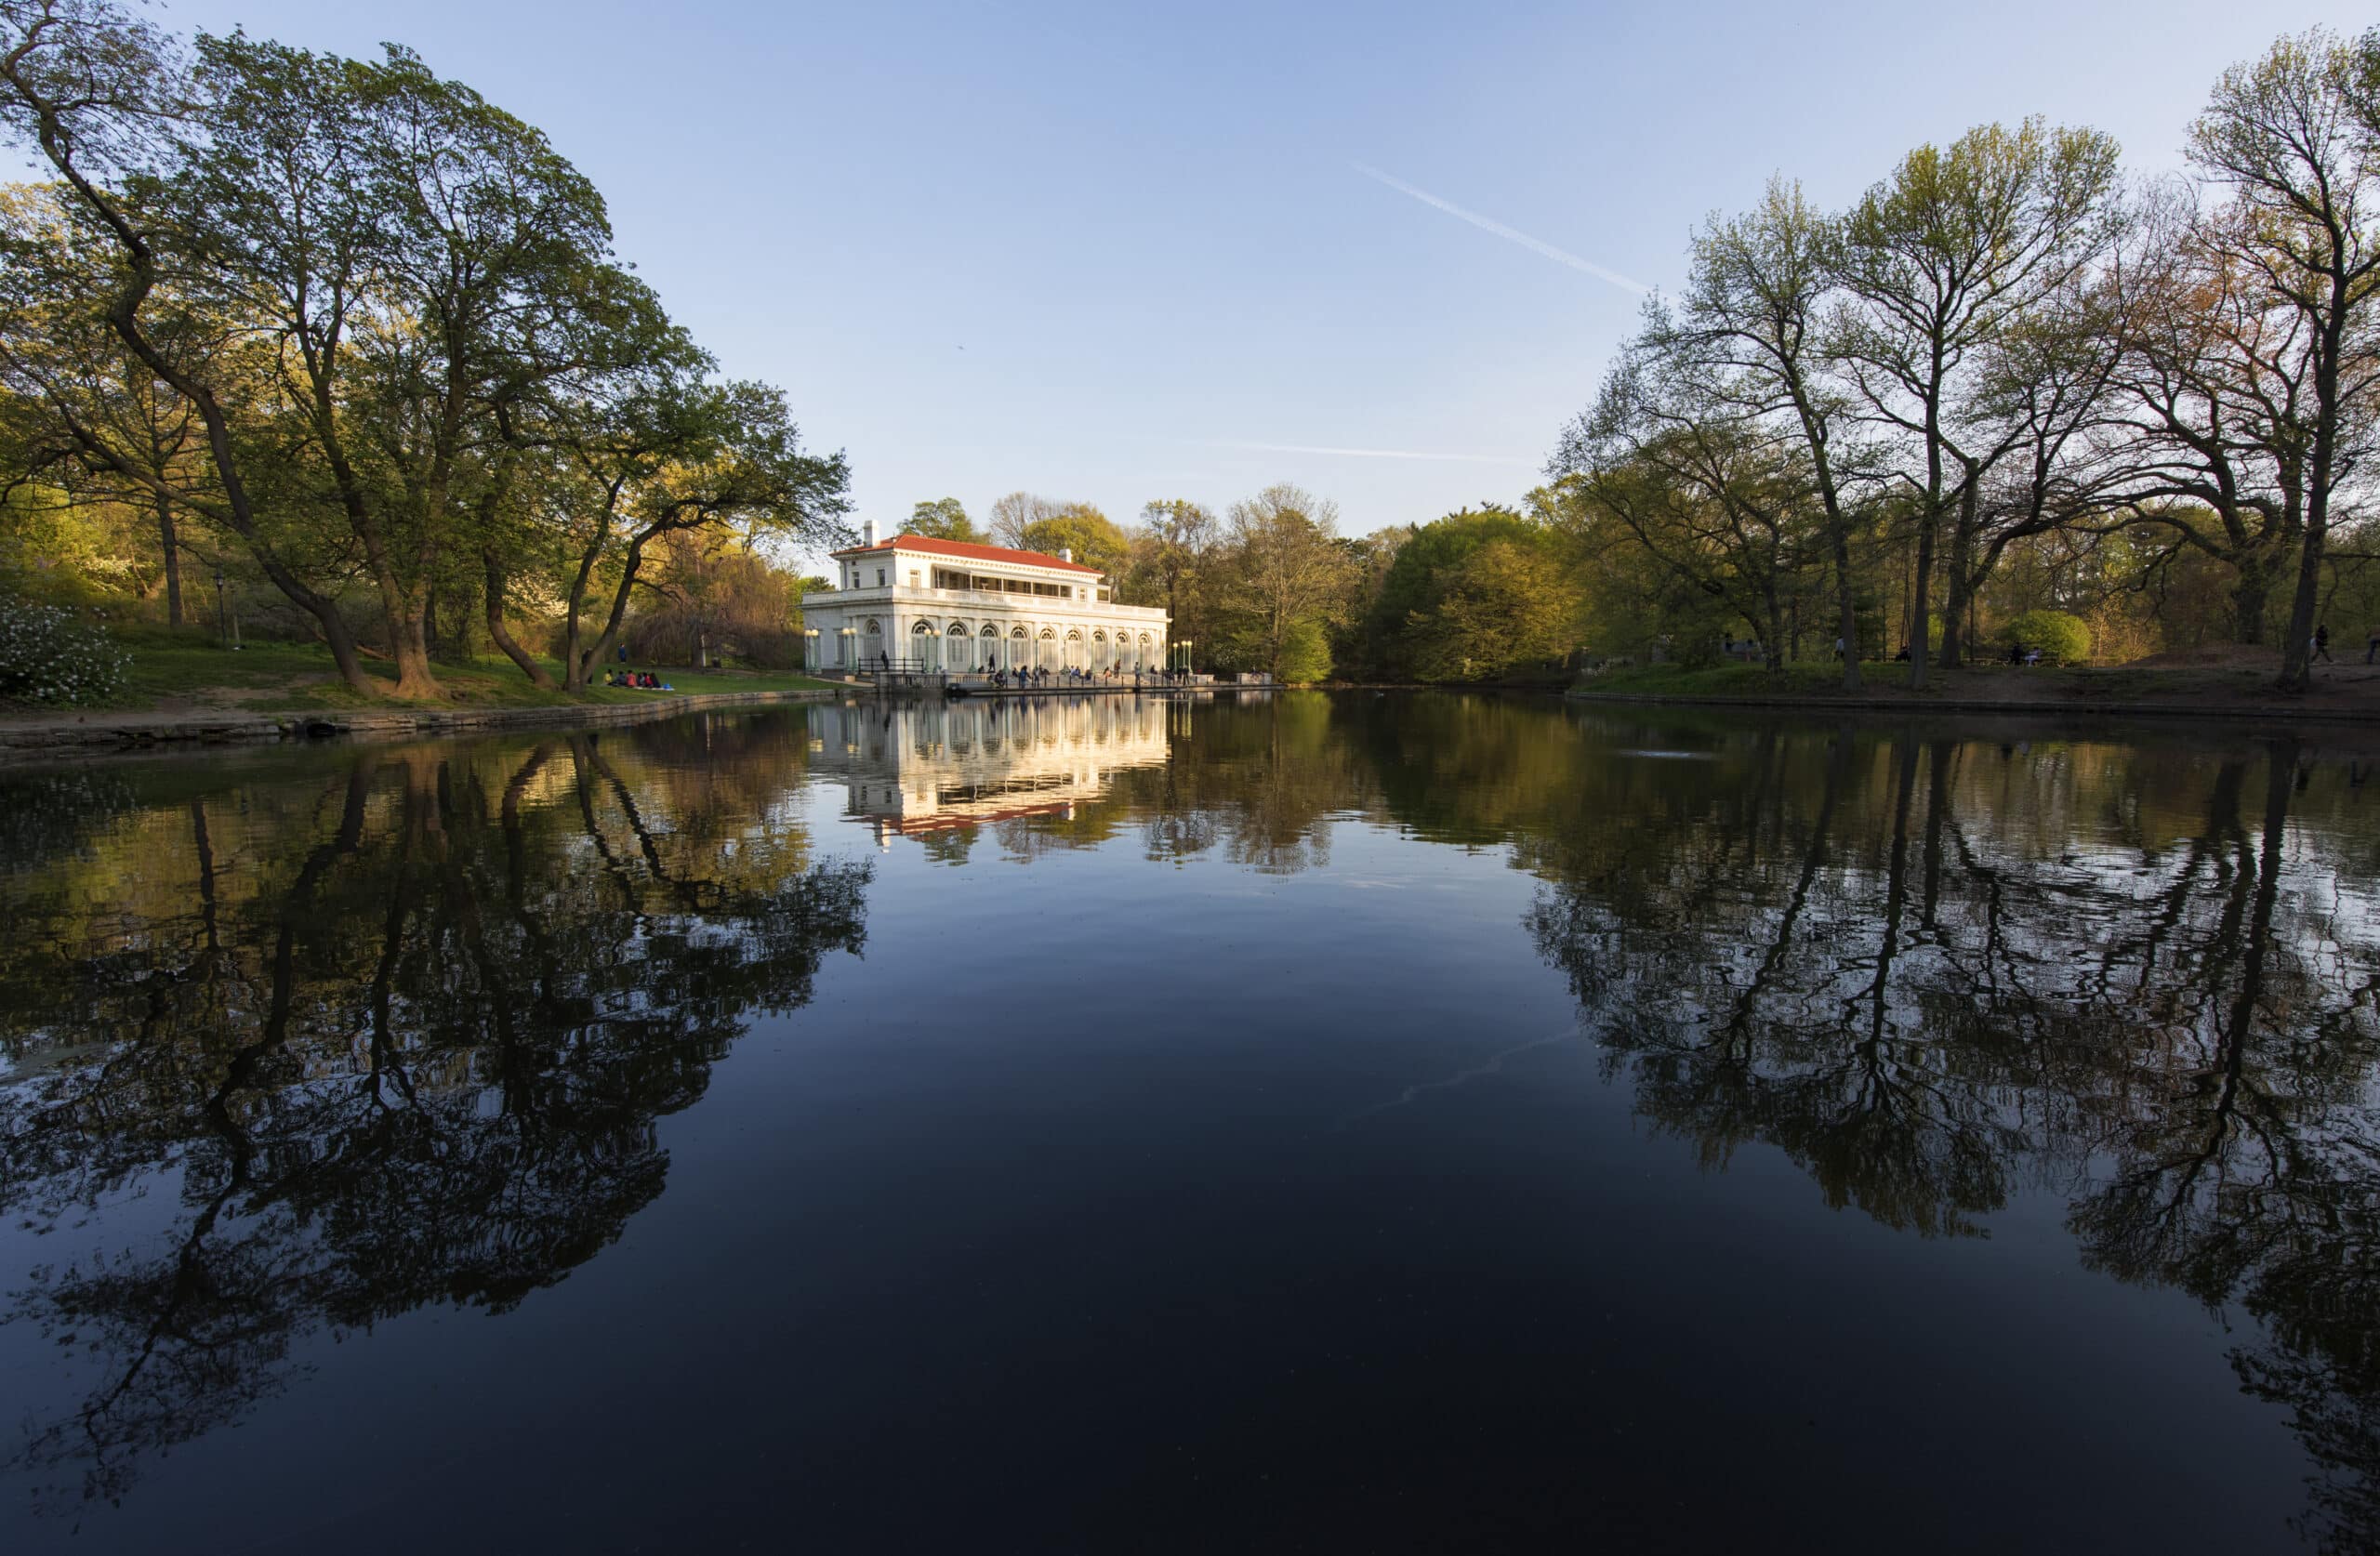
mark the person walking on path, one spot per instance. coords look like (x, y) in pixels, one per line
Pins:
(2322, 643)
(2372, 645)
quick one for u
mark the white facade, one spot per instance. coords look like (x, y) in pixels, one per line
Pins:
(938, 605)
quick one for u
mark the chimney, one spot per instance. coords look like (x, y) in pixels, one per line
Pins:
(868, 532)
(1065, 553)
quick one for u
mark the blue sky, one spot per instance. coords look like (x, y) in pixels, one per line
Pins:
(1151, 230)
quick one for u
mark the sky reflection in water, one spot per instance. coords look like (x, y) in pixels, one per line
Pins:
(1388, 1123)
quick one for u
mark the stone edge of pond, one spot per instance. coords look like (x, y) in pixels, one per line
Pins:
(2230, 711)
(103, 733)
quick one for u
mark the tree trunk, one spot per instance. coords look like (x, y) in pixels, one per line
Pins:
(2251, 596)
(2297, 648)
(172, 545)
(578, 668)
(1959, 586)
(1847, 623)
(1920, 577)
(491, 599)
(409, 646)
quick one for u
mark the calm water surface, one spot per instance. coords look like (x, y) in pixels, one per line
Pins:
(1367, 1123)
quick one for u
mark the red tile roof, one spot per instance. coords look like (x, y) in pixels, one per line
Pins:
(967, 549)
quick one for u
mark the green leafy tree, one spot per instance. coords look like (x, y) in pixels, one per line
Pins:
(1082, 529)
(944, 518)
(1288, 569)
(1471, 595)
(95, 90)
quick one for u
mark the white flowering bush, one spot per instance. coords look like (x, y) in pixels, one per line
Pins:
(47, 656)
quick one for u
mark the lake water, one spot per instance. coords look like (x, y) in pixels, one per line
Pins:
(1329, 1123)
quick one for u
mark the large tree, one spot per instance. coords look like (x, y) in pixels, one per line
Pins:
(1473, 595)
(1289, 573)
(1169, 551)
(2204, 426)
(2294, 141)
(415, 257)
(1749, 325)
(1717, 491)
(1943, 257)
(683, 456)
(96, 92)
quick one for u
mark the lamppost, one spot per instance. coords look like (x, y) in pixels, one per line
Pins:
(810, 648)
(933, 635)
(847, 634)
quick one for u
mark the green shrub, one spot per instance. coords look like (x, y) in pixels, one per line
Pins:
(49, 657)
(2062, 638)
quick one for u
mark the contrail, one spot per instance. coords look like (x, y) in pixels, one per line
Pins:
(1369, 452)
(1559, 255)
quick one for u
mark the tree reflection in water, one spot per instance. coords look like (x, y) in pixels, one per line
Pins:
(397, 1038)
(400, 1035)
(1931, 972)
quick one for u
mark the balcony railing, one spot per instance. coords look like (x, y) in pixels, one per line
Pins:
(885, 594)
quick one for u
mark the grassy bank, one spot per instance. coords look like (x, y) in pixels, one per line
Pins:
(187, 670)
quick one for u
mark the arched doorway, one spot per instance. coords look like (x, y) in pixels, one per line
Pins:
(1046, 656)
(871, 644)
(924, 646)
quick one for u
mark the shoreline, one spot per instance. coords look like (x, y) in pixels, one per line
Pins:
(110, 733)
(2089, 708)
(107, 733)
